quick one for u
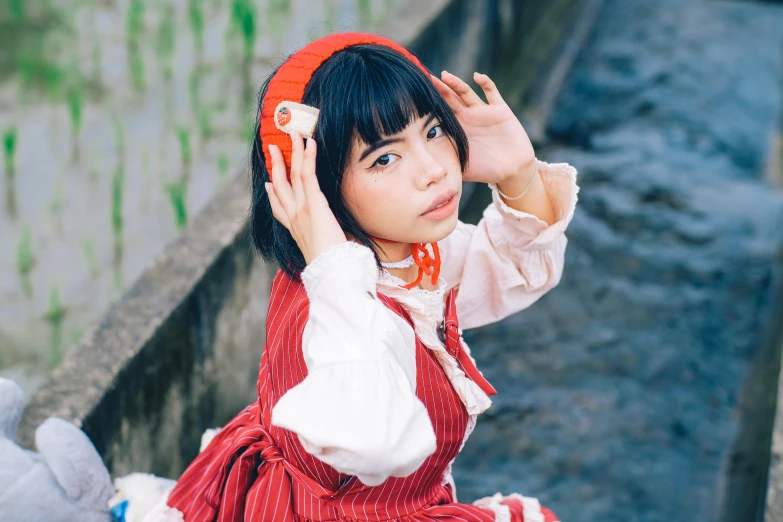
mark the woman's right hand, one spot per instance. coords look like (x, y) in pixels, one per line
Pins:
(299, 204)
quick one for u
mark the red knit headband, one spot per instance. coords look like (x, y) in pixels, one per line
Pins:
(291, 79)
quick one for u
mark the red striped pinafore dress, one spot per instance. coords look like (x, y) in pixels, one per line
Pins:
(253, 471)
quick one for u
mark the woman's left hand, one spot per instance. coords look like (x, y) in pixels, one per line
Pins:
(499, 146)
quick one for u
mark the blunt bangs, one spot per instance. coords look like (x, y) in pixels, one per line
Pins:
(375, 92)
(391, 95)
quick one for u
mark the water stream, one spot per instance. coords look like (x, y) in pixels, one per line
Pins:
(620, 392)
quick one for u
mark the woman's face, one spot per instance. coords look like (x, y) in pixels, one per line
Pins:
(390, 186)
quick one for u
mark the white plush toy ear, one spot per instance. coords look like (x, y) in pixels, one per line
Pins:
(296, 117)
(11, 407)
(75, 463)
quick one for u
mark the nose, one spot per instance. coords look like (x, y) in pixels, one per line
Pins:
(431, 170)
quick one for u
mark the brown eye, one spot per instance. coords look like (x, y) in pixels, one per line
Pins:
(385, 160)
(435, 132)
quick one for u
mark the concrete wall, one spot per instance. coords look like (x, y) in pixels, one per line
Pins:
(176, 354)
(774, 487)
(180, 351)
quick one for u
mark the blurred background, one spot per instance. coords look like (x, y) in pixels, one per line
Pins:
(120, 119)
(643, 388)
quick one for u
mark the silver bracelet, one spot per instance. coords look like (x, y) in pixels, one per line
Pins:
(529, 184)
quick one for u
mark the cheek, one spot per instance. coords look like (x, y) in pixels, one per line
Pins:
(446, 154)
(376, 201)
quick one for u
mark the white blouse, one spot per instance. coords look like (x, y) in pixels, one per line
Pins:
(357, 409)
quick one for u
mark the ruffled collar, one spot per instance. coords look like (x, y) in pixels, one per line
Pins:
(426, 309)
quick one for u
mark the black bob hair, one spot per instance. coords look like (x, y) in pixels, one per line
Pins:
(367, 89)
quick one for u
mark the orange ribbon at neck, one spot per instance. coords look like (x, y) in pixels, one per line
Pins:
(428, 265)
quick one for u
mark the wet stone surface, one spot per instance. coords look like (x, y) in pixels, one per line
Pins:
(618, 391)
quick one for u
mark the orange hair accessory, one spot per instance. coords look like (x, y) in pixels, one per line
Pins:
(291, 79)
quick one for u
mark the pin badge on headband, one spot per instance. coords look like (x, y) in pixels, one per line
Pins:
(293, 117)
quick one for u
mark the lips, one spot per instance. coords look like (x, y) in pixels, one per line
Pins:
(441, 200)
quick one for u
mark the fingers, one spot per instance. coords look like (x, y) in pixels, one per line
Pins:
(277, 209)
(289, 198)
(489, 88)
(278, 164)
(310, 186)
(297, 155)
(462, 89)
(280, 185)
(450, 96)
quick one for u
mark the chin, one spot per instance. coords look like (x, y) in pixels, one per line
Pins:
(438, 231)
(423, 231)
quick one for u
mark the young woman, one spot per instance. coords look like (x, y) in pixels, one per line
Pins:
(366, 389)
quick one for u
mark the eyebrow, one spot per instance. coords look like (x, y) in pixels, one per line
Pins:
(382, 143)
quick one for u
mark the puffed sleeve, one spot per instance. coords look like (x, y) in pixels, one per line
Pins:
(511, 258)
(356, 410)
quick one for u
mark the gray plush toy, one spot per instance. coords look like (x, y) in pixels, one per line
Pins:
(66, 481)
